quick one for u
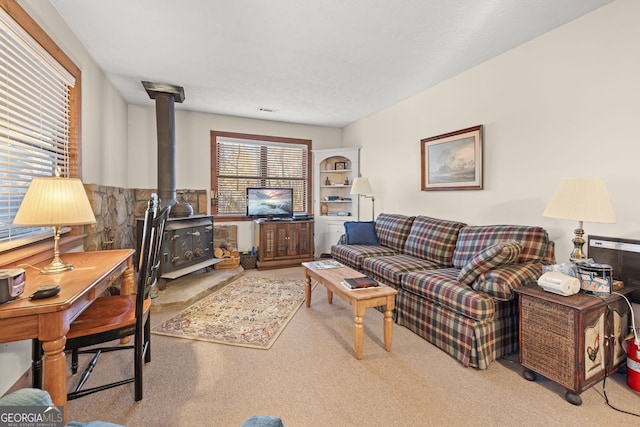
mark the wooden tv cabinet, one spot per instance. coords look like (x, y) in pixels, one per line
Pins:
(283, 243)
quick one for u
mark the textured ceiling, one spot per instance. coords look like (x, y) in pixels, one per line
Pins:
(322, 62)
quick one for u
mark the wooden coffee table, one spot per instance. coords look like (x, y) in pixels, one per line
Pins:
(359, 300)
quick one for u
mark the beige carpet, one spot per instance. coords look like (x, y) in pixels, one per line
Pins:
(250, 312)
(310, 378)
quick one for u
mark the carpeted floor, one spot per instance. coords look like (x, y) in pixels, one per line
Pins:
(251, 312)
(310, 378)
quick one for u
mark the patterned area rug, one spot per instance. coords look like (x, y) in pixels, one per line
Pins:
(250, 312)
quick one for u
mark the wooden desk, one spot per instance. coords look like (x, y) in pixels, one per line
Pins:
(49, 319)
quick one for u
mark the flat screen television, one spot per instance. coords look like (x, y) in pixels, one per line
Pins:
(270, 202)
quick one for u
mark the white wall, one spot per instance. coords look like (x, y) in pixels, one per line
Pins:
(563, 105)
(193, 154)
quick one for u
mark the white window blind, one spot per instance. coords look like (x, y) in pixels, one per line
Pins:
(248, 163)
(34, 122)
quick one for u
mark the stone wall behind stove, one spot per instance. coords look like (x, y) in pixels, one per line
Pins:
(116, 210)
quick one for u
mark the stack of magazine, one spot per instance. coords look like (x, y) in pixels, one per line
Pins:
(355, 283)
(322, 265)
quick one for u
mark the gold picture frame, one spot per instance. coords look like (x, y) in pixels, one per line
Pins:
(453, 161)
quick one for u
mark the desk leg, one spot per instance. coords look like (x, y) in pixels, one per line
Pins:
(55, 373)
(307, 288)
(358, 328)
(128, 279)
(329, 296)
(127, 287)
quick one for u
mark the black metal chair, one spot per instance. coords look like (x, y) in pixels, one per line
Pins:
(115, 317)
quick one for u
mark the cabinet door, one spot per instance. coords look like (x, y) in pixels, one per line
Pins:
(292, 231)
(619, 323)
(305, 239)
(592, 347)
(268, 242)
(336, 230)
(282, 240)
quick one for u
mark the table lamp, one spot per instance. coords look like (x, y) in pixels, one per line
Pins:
(361, 187)
(55, 202)
(581, 199)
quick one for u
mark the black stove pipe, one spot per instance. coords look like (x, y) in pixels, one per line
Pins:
(165, 97)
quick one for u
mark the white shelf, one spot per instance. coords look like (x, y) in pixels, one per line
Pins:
(330, 227)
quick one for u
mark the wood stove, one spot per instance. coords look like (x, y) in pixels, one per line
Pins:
(187, 245)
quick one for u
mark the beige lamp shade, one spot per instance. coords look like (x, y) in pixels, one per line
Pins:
(361, 185)
(581, 199)
(55, 201)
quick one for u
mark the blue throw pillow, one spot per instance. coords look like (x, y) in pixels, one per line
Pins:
(361, 233)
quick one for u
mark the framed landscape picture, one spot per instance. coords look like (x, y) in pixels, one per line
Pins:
(452, 161)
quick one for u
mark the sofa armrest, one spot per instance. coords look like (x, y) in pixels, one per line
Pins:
(500, 282)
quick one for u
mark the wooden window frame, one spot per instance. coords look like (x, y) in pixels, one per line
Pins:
(265, 138)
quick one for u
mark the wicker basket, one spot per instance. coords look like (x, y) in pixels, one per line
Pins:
(232, 262)
(248, 261)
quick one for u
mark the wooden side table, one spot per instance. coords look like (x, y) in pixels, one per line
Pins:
(573, 341)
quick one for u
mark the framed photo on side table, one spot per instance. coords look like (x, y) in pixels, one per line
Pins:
(452, 161)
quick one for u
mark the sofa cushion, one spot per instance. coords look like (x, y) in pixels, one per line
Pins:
(353, 255)
(433, 239)
(473, 239)
(392, 230)
(442, 288)
(361, 233)
(500, 282)
(389, 269)
(491, 257)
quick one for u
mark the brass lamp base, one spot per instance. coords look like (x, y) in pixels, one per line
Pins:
(56, 266)
(577, 255)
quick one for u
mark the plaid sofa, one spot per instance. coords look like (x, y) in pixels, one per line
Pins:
(455, 282)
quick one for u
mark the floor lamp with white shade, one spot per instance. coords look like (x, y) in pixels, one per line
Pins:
(361, 187)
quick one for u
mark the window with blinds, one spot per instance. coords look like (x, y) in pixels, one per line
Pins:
(34, 123)
(252, 163)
